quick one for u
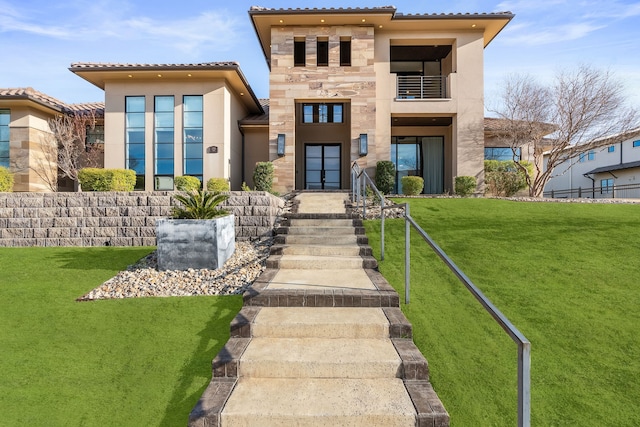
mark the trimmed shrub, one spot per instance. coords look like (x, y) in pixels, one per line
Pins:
(263, 176)
(505, 178)
(6, 180)
(465, 185)
(245, 187)
(96, 179)
(412, 185)
(218, 185)
(385, 176)
(187, 183)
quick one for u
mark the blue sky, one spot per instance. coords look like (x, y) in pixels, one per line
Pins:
(40, 39)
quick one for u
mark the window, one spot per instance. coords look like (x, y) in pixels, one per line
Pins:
(345, 52)
(322, 113)
(582, 157)
(501, 153)
(636, 143)
(163, 142)
(606, 185)
(591, 155)
(322, 52)
(5, 116)
(134, 137)
(192, 123)
(611, 149)
(299, 52)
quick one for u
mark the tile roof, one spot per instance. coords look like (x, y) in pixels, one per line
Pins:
(307, 10)
(129, 66)
(617, 167)
(258, 9)
(31, 94)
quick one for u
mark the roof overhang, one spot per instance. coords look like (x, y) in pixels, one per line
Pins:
(612, 168)
(99, 74)
(381, 18)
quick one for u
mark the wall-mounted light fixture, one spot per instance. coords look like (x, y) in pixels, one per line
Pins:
(364, 144)
(281, 137)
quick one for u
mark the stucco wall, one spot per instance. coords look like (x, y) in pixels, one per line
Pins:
(114, 218)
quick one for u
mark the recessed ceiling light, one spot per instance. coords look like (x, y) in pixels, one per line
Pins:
(159, 75)
(241, 93)
(322, 20)
(364, 20)
(130, 75)
(281, 21)
(473, 26)
(189, 75)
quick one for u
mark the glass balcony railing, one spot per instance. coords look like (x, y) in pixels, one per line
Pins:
(421, 87)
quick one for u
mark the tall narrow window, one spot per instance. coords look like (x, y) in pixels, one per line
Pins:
(323, 52)
(299, 52)
(5, 116)
(345, 52)
(192, 123)
(134, 137)
(163, 143)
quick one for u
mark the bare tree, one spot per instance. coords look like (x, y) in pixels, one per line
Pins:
(73, 153)
(45, 162)
(562, 120)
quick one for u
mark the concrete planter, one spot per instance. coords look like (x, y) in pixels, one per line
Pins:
(195, 243)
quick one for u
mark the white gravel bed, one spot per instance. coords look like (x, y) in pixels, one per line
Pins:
(143, 279)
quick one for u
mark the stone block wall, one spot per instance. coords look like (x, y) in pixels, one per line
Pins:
(115, 218)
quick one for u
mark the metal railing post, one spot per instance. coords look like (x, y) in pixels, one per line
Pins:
(382, 229)
(524, 384)
(407, 254)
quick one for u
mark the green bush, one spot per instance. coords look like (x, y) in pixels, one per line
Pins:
(385, 176)
(6, 180)
(245, 187)
(199, 204)
(465, 185)
(187, 183)
(96, 179)
(218, 184)
(263, 176)
(505, 178)
(412, 185)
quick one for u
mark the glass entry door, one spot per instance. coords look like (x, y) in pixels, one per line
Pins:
(322, 166)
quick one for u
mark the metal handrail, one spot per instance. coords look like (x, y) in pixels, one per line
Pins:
(524, 346)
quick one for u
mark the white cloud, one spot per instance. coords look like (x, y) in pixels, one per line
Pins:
(104, 23)
(528, 34)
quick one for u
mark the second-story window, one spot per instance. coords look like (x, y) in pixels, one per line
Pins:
(323, 52)
(322, 113)
(345, 52)
(299, 52)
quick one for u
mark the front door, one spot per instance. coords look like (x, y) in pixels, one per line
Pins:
(322, 166)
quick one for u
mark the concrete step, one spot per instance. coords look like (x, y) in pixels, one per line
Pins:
(308, 262)
(320, 222)
(321, 250)
(322, 230)
(320, 358)
(307, 402)
(295, 239)
(320, 322)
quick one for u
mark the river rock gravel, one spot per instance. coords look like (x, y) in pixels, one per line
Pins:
(143, 279)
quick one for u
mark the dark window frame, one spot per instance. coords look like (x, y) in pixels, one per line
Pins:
(322, 52)
(345, 53)
(299, 53)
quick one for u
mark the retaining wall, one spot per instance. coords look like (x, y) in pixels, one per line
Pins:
(115, 218)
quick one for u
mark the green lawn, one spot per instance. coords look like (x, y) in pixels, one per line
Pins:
(565, 274)
(131, 362)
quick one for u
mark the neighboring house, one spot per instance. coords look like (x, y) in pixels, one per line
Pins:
(25, 137)
(167, 120)
(610, 168)
(371, 84)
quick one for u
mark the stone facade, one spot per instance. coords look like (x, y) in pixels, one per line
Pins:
(114, 218)
(355, 85)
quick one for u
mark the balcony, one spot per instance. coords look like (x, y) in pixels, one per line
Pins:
(421, 87)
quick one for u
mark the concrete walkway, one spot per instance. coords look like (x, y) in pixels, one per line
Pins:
(321, 340)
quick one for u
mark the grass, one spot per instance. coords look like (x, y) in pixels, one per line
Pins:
(131, 362)
(566, 275)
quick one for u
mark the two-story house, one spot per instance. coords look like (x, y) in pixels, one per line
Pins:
(609, 168)
(373, 84)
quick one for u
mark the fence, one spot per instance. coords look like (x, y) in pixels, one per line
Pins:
(626, 191)
(360, 182)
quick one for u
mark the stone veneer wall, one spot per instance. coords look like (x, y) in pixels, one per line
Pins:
(334, 83)
(115, 218)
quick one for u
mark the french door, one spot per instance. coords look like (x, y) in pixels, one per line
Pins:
(322, 166)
